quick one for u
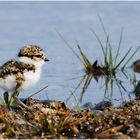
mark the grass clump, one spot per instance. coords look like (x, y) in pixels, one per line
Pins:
(110, 64)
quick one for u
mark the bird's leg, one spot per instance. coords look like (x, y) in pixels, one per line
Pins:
(6, 99)
(15, 96)
(19, 102)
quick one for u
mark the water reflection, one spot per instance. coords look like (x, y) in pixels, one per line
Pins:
(108, 83)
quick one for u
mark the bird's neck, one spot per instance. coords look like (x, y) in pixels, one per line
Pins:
(26, 60)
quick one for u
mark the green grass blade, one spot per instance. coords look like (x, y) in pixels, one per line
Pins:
(122, 59)
(83, 78)
(101, 45)
(110, 59)
(102, 24)
(125, 74)
(106, 47)
(11, 100)
(86, 84)
(110, 56)
(37, 92)
(107, 79)
(79, 84)
(111, 87)
(85, 59)
(119, 46)
(67, 44)
(121, 85)
(130, 57)
(77, 102)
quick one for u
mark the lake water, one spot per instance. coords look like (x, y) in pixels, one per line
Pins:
(23, 23)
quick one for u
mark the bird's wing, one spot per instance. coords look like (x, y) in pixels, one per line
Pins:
(14, 67)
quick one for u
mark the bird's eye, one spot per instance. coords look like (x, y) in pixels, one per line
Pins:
(37, 55)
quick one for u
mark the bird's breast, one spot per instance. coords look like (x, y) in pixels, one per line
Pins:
(30, 78)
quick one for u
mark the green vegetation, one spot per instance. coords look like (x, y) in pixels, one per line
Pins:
(110, 65)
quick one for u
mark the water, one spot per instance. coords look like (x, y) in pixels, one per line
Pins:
(23, 23)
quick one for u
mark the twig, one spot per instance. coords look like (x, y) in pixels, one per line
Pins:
(38, 91)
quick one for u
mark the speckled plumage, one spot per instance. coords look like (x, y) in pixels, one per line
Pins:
(24, 72)
(14, 67)
(16, 76)
(32, 51)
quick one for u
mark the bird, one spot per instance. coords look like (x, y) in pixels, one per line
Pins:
(19, 75)
(136, 66)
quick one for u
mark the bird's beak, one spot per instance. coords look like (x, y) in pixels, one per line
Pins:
(46, 60)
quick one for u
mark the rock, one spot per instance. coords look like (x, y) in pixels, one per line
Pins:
(103, 105)
(137, 89)
(136, 66)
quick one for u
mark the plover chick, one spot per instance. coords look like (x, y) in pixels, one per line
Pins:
(16, 76)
